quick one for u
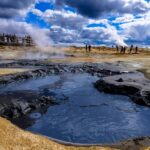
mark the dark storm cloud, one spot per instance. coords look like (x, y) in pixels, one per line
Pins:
(10, 8)
(96, 8)
(7, 13)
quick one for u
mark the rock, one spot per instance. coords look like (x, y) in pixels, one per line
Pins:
(120, 80)
(105, 69)
(17, 107)
(134, 85)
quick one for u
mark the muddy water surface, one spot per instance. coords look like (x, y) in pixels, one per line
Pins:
(84, 115)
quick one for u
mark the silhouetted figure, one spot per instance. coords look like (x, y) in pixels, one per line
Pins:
(131, 49)
(117, 48)
(86, 48)
(90, 48)
(136, 50)
(122, 50)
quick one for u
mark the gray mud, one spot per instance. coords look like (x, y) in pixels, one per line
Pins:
(134, 85)
(14, 104)
(84, 115)
(61, 102)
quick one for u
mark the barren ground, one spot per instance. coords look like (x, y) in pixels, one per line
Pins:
(12, 138)
(6, 71)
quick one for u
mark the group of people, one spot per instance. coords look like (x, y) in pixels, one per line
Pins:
(123, 49)
(88, 48)
(120, 49)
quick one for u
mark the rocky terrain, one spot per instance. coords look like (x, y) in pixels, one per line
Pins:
(132, 84)
(114, 79)
(11, 107)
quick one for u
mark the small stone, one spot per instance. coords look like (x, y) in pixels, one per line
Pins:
(120, 80)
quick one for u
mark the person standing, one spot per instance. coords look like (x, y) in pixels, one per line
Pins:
(86, 48)
(136, 49)
(117, 48)
(131, 48)
(122, 50)
(90, 48)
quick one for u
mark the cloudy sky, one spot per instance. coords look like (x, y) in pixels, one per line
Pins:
(102, 22)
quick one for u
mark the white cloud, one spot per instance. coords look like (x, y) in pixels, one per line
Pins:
(125, 18)
(137, 30)
(98, 21)
(69, 27)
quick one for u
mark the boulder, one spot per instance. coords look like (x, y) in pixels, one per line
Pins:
(132, 84)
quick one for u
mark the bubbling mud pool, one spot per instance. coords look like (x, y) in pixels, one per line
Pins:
(85, 116)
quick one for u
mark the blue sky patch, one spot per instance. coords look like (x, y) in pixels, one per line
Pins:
(36, 20)
(67, 8)
(43, 6)
(96, 25)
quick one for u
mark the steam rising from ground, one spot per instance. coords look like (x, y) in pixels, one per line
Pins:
(118, 40)
(43, 53)
(40, 36)
(31, 53)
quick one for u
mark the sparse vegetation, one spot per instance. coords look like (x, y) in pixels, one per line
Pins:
(6, 71)
(13, 138)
